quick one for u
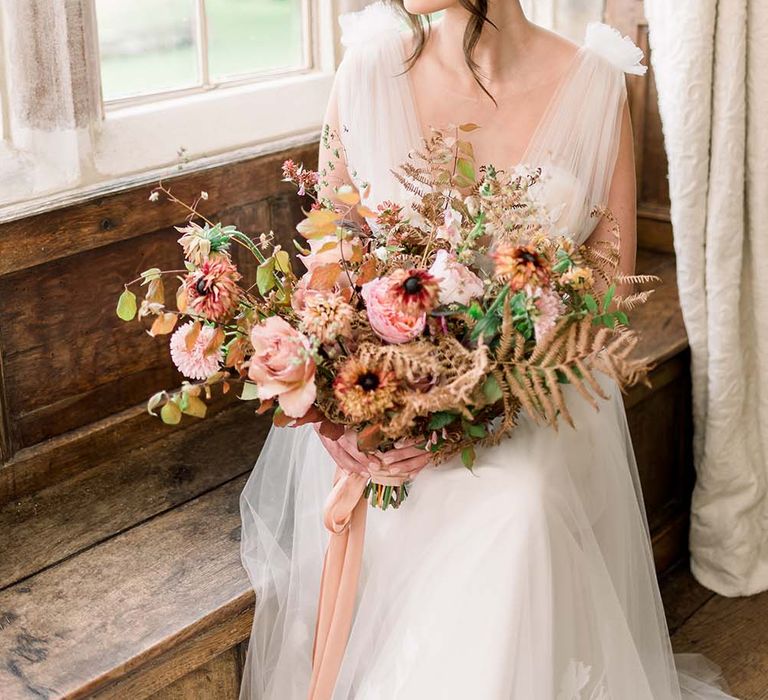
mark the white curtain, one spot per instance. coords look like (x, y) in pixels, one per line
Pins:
(710, 59)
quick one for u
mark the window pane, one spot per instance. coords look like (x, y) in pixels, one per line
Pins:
(146, 46)
(252, 36)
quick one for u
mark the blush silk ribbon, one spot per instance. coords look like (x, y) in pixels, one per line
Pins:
(344, 516)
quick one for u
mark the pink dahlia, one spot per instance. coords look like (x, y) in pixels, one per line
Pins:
(212, 290)
(194, 363)
(549, 307)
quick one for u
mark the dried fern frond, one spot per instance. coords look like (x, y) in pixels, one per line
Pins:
(570, 356)
(633, 300)
(636, 279)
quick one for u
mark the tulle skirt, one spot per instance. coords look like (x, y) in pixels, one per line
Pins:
(530, 578)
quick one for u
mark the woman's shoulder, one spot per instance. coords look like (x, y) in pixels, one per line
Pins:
(372, 26)
(620, 51)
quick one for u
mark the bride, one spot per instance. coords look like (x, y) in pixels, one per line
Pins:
(531, 578)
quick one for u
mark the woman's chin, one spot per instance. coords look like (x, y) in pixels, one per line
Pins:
(427, 7)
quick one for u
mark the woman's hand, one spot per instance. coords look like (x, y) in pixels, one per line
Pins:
(404, 460)
(346, 455)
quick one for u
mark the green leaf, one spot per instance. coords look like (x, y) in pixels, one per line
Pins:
(154, 273)
(283, 260)
(126, 305)
(265, 276)
(491, 389)
(622, 317)
(468, 456)
(475, 430)
(170, 413)
(608, 298)
(441, 419)
(591, 304)
(195, 407)
(466, 169)
(476, 311)
(488, 327)
(250, 391)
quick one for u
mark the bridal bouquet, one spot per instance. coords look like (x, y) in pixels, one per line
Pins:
(440, 319)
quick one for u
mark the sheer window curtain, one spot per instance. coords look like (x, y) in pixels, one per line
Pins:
(47, 102)
(710, 58)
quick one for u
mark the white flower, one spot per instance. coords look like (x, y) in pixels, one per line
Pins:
(451, 228)
(204, 195)
(154, 196)
(458, 284)
(381, 253)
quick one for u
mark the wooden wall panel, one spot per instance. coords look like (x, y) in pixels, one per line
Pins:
(67, 360)
(654, 230)
(219, 679)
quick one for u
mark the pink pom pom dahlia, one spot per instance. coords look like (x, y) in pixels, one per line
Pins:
(194, 363)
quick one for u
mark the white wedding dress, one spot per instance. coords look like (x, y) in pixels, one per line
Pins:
(531, 579)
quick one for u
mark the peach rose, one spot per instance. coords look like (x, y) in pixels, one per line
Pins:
(388, 322)
(282, 366)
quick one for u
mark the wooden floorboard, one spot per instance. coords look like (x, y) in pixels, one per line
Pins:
(731, 632)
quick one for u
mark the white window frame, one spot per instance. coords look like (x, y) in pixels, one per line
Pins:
(141, 139)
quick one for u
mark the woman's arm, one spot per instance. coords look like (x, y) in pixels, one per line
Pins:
(333, 172)
(622, 201)
(332, 164)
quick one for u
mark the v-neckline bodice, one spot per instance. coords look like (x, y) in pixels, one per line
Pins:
(412, 104)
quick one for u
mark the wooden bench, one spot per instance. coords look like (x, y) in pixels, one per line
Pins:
(123, 580)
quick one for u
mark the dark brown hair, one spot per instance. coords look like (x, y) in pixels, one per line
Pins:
(478, 10)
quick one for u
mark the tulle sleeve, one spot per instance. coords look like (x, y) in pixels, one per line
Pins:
(577, 142)
(371, 94)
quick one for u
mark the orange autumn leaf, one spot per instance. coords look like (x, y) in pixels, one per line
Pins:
(324, 277)
(320, 222)
(163, 324)
(366, 272)
(181, 298)
(217, 340)
(192, 334)
(264, 406)
(348, 195)
(365, 212)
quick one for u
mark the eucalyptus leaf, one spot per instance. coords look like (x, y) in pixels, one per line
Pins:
(126, 305)
(170, 413)
(265, 276)
(466, 169)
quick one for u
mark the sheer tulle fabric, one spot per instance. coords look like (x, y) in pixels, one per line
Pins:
(531, 578)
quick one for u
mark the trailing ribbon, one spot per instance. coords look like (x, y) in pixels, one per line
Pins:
(344, 516)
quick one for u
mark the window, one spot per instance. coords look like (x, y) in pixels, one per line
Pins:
(150, 48)
(135, 90)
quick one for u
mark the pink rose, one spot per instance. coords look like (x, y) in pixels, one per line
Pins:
(282, 366)
(458, 284)
(388, 322)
